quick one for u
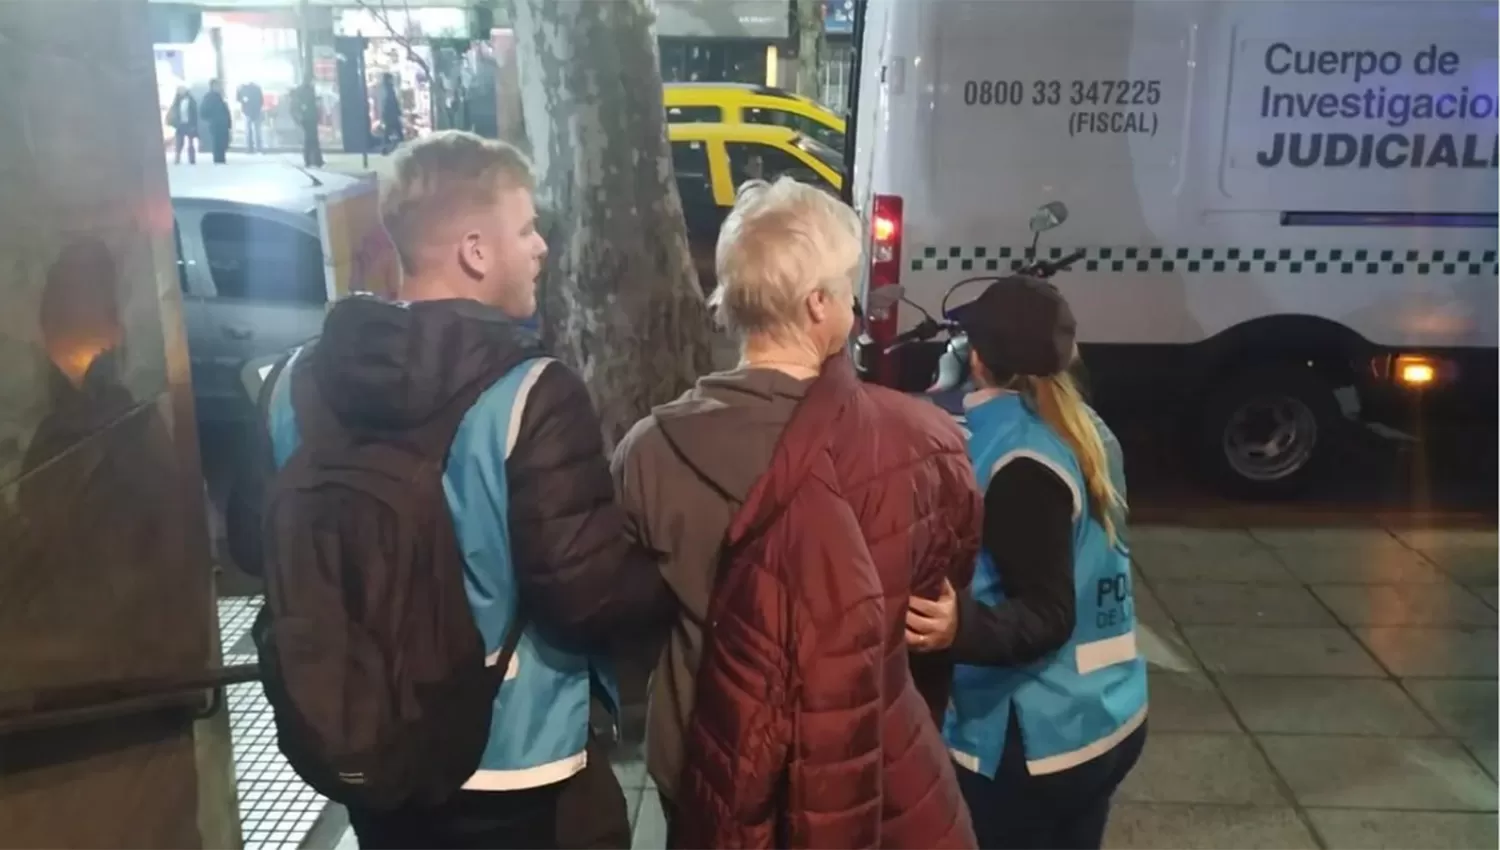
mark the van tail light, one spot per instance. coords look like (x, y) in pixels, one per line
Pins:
(885, 270)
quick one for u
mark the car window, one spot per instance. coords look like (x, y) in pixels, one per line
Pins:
(823, 153)
(694, 184)
(801, 123)
(259, 259)
(694, 115)
(751, 160)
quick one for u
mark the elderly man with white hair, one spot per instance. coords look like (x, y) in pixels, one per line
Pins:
(794, 511)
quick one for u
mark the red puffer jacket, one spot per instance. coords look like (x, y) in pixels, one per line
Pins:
(808, 730)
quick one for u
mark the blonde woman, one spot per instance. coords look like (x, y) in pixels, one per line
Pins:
(1048, 712)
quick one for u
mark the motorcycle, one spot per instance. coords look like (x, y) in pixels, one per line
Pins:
(951, 379)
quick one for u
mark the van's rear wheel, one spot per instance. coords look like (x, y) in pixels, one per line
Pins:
(1268, 433)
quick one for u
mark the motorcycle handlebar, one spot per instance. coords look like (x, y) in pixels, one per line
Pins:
(924, 330)
(1048, 268)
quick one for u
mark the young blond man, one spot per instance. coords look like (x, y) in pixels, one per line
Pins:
(544, 552)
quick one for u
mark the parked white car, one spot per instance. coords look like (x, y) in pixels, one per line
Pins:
(250, 262)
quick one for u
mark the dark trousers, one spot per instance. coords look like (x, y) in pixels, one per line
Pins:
(184, 140)
(583, 812)
(312, 152)
(219, 141)
(254, 127)
(1067, 810)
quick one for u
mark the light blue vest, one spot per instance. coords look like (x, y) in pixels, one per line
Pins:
(540, 724)
(1082, 700)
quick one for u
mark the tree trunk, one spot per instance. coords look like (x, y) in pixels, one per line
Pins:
(810, 49)
(508, 109)
(620, 298)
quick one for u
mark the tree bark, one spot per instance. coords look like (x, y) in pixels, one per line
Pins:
(810, 49)
(620, 299)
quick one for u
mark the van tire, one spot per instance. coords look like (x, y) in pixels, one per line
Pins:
(1267, 433)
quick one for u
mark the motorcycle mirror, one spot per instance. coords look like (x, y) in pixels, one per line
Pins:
(952, 367)
(1048, 216)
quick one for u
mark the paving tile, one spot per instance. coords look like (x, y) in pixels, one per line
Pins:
(1163, 648)
(1148, 609)
(1188, 554)
(1490, 595)
(1307, 706)
(650, 827)
(1157, 826)
(1380, 773)
(1406, 605)
(630, 771)
(1184, 702)
(1465, 708)
(1254, 651)
(1469, 556)
(1344, 829)
(1485, 752)
(1433, 653)
(1344, 556)
(1448, 538)
(1218, 604)
(1321, 537)
(1180, 767)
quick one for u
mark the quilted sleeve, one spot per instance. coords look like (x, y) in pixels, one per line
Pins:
(834, 788)
(737, 743)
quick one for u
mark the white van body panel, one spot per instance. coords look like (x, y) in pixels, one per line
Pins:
(1171, 185)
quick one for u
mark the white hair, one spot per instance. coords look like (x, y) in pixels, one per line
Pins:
(782, 242)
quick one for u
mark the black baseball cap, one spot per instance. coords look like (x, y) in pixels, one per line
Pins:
(1019, 326)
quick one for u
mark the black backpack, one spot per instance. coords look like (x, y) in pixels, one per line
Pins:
(371, 660)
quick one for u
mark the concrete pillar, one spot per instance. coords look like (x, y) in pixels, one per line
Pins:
(105, 573)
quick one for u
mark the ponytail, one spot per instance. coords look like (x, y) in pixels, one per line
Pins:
(1058, 403)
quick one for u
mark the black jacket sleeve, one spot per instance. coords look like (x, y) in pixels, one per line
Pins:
(581, 580)
(1028, 532)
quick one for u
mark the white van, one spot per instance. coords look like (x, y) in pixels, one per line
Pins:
(1277, 200)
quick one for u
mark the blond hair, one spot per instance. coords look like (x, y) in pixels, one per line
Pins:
(1056, 399)
(782, 242)
(441, 177)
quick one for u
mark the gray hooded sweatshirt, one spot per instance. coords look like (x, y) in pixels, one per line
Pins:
(681, 474)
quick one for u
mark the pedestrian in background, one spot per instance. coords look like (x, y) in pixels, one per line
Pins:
(1049, 701)
(305, 113)
(182, 117)
(252, 105)
(391, 131)
(215, 115)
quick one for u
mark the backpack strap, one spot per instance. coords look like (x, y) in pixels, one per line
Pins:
(263, 399)
(244, 513)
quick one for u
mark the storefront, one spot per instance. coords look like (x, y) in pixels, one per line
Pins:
(238, 48)
(838, 53)
(353, 46)
(722, 40)
(426, 54)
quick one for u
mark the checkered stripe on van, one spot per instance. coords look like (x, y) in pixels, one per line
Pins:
(1307, 261)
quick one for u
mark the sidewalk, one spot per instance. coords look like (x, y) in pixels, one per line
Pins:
(1318, 687)
(344, 163)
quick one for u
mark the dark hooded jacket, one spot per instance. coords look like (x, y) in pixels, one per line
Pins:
(384, 368)
(681, 474)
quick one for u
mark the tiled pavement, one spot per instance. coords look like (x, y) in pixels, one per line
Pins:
(1309, 688)
(277, 811)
